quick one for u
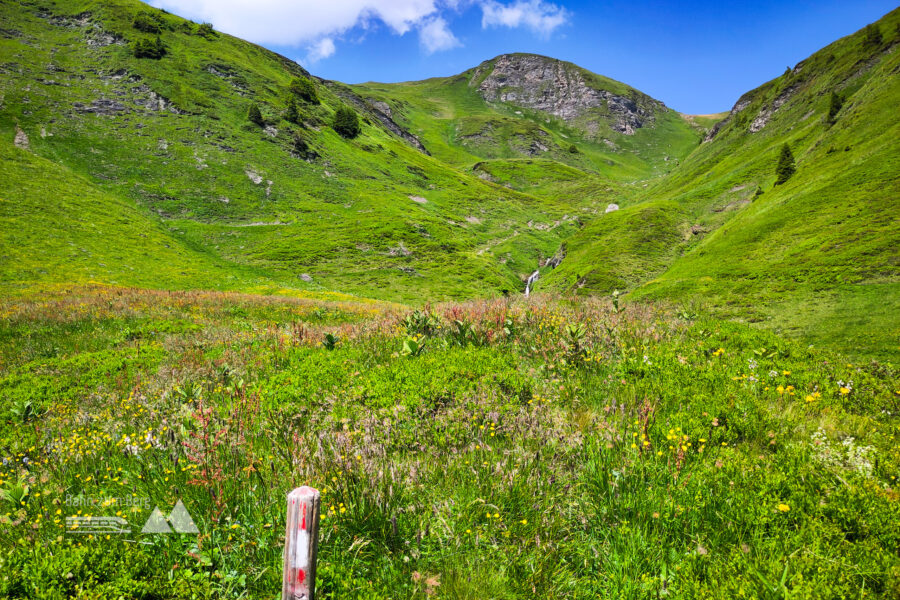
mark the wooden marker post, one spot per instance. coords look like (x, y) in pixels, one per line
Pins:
(301, 542)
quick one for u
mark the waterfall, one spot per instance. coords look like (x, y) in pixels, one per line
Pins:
(531, 279)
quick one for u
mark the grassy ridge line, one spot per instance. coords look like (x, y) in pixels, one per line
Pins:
(826, 240)
(182, 147)
(461, 128)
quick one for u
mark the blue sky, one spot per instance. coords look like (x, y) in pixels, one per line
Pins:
(697, 57)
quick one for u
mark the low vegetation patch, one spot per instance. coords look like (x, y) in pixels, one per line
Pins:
(499, 449)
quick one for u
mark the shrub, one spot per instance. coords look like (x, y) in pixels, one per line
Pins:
(573, 149)
(303, 88)
(302, 149)
(148, 23)
(873, 37)
(346, 123)
(205, 30)
(147, 48)
(330, 341)
(785, 167)
(421, 323)
(254, 115)
(292, 115)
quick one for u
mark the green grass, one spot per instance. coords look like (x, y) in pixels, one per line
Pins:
(826, 240)
(638, 242)
(554, 447)
(227, 205)
(561, 449)
(56, 224)
(202, 173)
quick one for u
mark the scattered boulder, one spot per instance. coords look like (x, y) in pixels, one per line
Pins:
(399, 250)
(306, 277)
(21, 140)
(611, 208)
(147, 98)
(418, 199)
(382, 107)
(100, 38)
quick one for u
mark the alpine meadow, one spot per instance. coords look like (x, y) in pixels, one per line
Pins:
(530, 332)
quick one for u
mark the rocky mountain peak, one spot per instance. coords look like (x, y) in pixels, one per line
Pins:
(563, 90)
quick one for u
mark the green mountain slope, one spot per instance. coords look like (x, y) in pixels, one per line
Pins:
(815, 256)
(295, 202)
(530, 106)
(54, 223)
(455, 187)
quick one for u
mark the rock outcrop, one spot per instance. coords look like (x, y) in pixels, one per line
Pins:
(382, 112)
(21, 139)
(742, 103)
(562, 90)
(766, 112)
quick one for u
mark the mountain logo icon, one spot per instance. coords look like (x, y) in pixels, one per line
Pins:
(178, 521)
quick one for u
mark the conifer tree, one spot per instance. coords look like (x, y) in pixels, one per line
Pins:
(834, 107)
(254, 115)
(785, 167)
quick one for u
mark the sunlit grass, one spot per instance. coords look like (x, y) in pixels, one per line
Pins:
(559, 448)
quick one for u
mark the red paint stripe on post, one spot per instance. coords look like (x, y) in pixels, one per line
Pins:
(301, 544)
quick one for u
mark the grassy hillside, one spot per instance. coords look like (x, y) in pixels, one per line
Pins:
(461, 127)
(826, 240)
(56, 223)
(171, 137)
(201, 307)
(456, 187)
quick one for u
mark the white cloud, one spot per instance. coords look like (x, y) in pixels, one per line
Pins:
(435, 35)
(320, 49)
(300, 22)
(317, 24)
(539, 16)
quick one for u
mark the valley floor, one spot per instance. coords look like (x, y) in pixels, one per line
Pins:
(504, 449)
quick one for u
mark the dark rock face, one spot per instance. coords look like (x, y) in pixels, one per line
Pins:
(382, 112)
(560, 89)
(101, 106)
